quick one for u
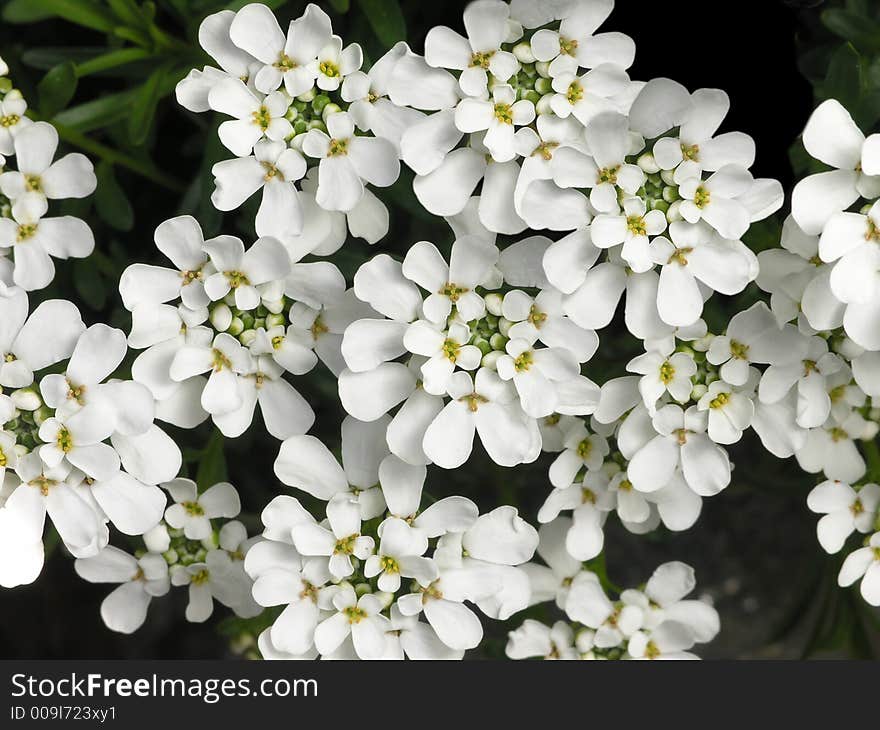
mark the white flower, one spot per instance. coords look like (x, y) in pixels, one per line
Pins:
(714, 200)
(589, 95)
(497, 118)
(581, 449)
(590, 502)
(255, 118)
(669, 640)
(358, 617)
(307, 464)
(39, 178)
(845, 510)
(242, 272)
(864, 563)
(832, 137)
(78, 439)
(730, 412)
(275, 168)
(588, 604)
(400, 556)
(347, 161)
(664, 373)
(534, 639)
(445, 351)
(181, 240)
(192, 512)
(485, 405)
(339, 543)
(287, 59)
(452, 285)
(754, 336)
(226, 360)
(125, 608)
(478, 55)
(537, 375)
(12, 113)
(576, 44)
(334, 63)
(681, 442)
(697, 256)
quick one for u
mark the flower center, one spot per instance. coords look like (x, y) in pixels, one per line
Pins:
(354, 614)
(667, 372)
(10, 120)
(636, 225)
(65, 440)
(337, 148)
(679, 256)
(651, 650)
(702, 197)
(537, 317)
(584, 448)
(272, 172)
(318, 328)
(284, 62)
(873, 232)
(504, 113)
(345, 545)
(389, 564)
(575, 92)
(220, 360)
(738, 350)
(236, 279)
(193, 509)
(32, 183)
(567, 46)
(450, 350)
(473, 401)
(453, 291)
(330, 69)
(608, 175)
(719, 401)
(25, 231)
(545, 150)
(588, 496)
(262, 118)
(200, 578)
(690, 152)
(481, 60)
(523, 361)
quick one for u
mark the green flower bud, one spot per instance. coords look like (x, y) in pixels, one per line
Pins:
(493, 304)
(275, 307)
(648, 163)
(330, 109)
(504, 325)
(491, 360)
(498, 341)
(523, 52)
(317, 124)
(275, 320)
(670, 195)
(543, 86)
(543, 106)
(668, 176)
(291, 114)
(660, 205)
(532, 96)
(236, 327)
(319, 102)
(674, 212)
(482, 344)
(308, 96)
(247, 337)
(543, 68)
(221, 317)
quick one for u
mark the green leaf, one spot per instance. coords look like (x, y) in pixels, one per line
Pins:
(88, 13)
(98, 113)
(89, 283)
(49, 56)
(144, 107)
(386, 19)
(853, 27)
(212, 467)
(57, 88)
(25, 11)
(111, 203)
(844, 78)
(341, 6)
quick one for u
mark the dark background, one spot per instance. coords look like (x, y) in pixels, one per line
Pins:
(754, 547)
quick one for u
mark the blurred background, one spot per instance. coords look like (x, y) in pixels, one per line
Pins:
(104, 72)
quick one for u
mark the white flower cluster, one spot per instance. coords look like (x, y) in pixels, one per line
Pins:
(824, 281)
(655, 621)
(185, 549)
(29, 178)
(357, 584)
(308, 128)
(76, 444)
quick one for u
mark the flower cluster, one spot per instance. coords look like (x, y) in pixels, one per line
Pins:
(655, 621)
(309, 129)
(30, 177)
(76, 444)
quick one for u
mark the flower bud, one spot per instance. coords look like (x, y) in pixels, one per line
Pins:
(236, 327)
(493, 303)
(330, 109)
(668, 176)
(504, 325)
(699, 391)
(491, 360)
(26, 399)
(674, 212)
(247, 337)
(221, 317)
(482, 345)
(543, 68)
(275, 307)
(523, 52)
(543, 106)
(648, 163)
(291, 114)
(498, 341)
(275, 320)
(307, 96)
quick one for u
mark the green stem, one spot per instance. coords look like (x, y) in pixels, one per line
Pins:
(111, 60)
(115, 157)
(872, 455)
